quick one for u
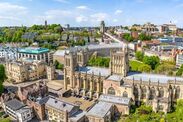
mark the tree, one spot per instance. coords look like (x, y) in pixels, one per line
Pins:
(2, 77)
(139, 55)
(128, 37)
(153, 61)
(144, 68)
(144, 37)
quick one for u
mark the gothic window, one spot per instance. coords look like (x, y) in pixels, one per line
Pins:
(136, 93)
(177, 93)
(161, 92)
(143, 92)
(68, 81)
(82, 84)
(160, 107)
(111, 91)
(125, 94)
(152, 93)
(95, 85)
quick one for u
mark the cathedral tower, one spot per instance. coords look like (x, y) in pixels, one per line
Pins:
(119, 63)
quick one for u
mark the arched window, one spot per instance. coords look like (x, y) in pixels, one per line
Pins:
(161, 92)
(177, 92)
(152, 93)
(135, 92)
(125, 94)
(111, 91)
(68, 81)
(143, 92)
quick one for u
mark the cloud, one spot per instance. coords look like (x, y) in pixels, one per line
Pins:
(81, 18)
(11, 12)
(62, 1)
(99, 16)
(118, 12)
(82, 7)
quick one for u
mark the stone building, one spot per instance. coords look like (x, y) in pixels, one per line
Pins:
(25, 70)
(58, 110)
(159, 91)
(35, 95)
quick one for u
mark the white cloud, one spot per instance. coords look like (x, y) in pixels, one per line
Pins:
(82, 7)
(62, 1)
(81, 18)
(99, 16)
(118, 12)
(11, 12)
(115, 20)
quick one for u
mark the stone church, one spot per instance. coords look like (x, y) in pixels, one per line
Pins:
(159, 91)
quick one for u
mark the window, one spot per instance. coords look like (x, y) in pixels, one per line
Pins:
(161, 92)
(125, 94)
(111, 91)
(143, 92)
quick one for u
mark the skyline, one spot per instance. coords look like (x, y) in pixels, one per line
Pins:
(84, 13)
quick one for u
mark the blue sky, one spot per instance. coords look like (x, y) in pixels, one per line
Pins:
(90, 12)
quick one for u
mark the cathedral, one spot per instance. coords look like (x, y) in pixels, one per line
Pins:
(159, 91)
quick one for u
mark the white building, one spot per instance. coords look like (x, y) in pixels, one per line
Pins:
(179, 60)
(8, 53)
(18, 111)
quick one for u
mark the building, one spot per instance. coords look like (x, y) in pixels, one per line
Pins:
(58, 110)
(8, 53)
(101, 112)
(35, 95)
(36, 53)
(25, 70)
(149, 28)
(159, 91)
(18, 111)
(179, 60)
(102, 27)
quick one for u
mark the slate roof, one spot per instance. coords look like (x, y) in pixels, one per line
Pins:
(100, 109)
(14, 104)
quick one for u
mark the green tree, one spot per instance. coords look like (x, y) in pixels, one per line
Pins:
(144, 37)
(139, 55)
(144, 68)
(2, 77)
(153, 61)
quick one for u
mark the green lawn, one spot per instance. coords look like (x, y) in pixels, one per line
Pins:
(5, 120)
(135, 65)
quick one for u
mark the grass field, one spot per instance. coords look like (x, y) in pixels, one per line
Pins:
(134, 65)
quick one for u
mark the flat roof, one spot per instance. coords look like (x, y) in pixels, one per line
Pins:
(100, 109)
(114, 99)
(33, 50)
(14, 104)
(151, 77)
(94, 70)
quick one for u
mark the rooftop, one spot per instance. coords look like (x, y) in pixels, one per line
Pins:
(33, 50)
(14, 104)
(77, 116)
(115, 78)
(100, 109)
(151, 77)
(94, 70)
(60, 105)
(115, 99)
